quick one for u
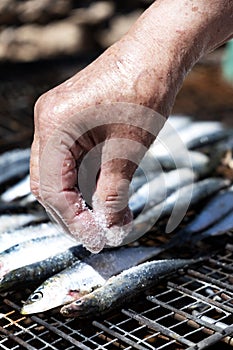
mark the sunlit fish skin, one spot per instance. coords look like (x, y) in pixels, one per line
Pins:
(9, 239)
(148, 164)
(156, 161)
(80, 277)
(197, 161)
(217, 208)
(156, 190)
(175, 123)
(14, 164)
(202, 133)
(138, 181)
(83, 277)
(221, 227)
(14, 221)
(21, 189)
(195, 135)
(199, 190)
(33, 250)
(123, 287)
(41, 270)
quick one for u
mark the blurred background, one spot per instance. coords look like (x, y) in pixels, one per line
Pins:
(44, 42)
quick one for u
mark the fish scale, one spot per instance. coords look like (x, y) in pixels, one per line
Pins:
(9, 222)
(123, 287)
(33, 250)
(14, 164)
(43, 269)
(83, 277)
(186, 196)
(8, 239)
(156, 190)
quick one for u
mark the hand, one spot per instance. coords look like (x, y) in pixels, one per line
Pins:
(79, 128)
(93, 127)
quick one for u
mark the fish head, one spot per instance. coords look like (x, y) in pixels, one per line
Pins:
(63, 288)
(46, 297)
(83, 279)
(83, 307)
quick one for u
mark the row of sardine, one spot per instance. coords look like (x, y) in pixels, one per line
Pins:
(173, 176)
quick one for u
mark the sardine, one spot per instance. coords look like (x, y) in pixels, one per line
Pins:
(14, 164)
(199, 134)
(148, 164)
(14, 221)
(139, 181)
(9, 239)
(123, 287)
(41, 270)
(11, 207)
(21, 189)
(217, 208)
(195, 135)
(221, 227)
(175, 123)
(33, 250)
(174, 204)
(157, 162)
(83, 277)
(156, 190)
(197, 161)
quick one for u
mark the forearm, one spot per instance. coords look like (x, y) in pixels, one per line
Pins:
(172, 35)
(192, 25)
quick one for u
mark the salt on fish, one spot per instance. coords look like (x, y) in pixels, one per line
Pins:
(123, 287)
(14, 164)
(21, 189)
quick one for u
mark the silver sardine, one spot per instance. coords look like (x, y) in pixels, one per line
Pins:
(156, 190)
(19, 190)
(221, 227)
(123, 287)
(217, 208)
(33, 250)
(180, 200)
(10, 222)
(14, 164)
(41, 270)
(84, 276)
(9, 239)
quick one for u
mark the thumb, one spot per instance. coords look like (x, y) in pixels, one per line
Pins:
(110, 200)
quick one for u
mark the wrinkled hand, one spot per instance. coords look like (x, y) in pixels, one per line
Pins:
(90, 134)
(92, 130)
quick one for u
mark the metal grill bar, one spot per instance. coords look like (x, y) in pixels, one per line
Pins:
(60, 333)
(210, 279)
(187, 313)
(157, 327)
(119, 336)
(220, 264)
(16, 339)
(50, 327)
(184, 315)
(213, 339)
(209, 324)
(218, 305)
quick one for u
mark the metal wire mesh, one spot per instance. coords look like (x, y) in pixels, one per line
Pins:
(191, 310)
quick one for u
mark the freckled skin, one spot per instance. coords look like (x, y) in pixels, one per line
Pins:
(146, 67)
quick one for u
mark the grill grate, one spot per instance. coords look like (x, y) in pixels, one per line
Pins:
(191, 310)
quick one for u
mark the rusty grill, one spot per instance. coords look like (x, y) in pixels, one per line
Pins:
(193, 309)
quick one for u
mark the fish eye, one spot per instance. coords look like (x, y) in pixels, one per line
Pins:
(37, 296)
